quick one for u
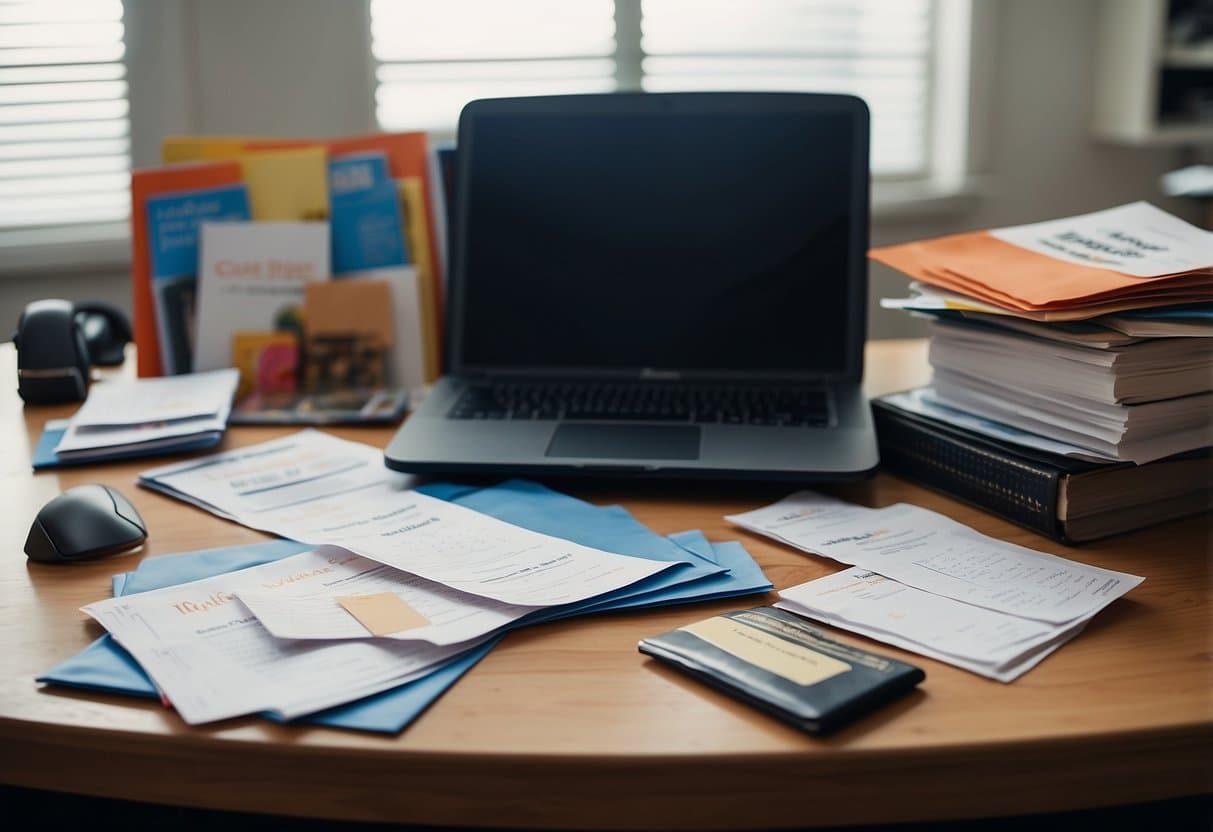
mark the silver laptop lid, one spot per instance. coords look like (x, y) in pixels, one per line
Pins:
(712, 236)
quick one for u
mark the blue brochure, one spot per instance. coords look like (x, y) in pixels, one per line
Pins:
(715, 571)
(365, 215)
(173, 222)
(44, 455)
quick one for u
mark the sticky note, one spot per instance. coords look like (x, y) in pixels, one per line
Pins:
(383, 612)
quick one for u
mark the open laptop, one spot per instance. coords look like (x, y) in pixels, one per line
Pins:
(663, 284)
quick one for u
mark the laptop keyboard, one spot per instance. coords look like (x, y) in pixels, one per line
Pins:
(606, 401)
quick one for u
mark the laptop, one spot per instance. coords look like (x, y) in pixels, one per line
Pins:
(654, 284)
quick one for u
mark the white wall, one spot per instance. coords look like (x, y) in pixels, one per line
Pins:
(300, 67)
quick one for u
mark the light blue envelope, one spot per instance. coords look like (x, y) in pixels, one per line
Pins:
(44, 455)
(106, 666)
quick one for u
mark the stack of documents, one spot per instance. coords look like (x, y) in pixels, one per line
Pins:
(144, 416)
(1137, 402)
(925, 583)
(422, 582)
(1095, 330)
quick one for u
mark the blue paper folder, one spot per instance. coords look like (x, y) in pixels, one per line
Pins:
(716, 571)
(44, 455)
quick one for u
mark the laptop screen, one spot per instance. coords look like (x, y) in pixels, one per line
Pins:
(716, 234)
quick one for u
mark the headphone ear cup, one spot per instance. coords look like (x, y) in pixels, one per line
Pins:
(106, 331)
(83, 360)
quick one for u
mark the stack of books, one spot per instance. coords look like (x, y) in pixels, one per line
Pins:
(230, 235)
(1072, 364)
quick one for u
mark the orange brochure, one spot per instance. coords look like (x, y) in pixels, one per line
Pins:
(980, 264)
(1132, 252)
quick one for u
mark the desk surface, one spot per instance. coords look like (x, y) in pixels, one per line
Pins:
(566, 725)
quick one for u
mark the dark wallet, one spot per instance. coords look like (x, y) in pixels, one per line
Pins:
(775, 661)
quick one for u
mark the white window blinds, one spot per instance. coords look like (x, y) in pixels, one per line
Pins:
(875, 49)
(432, 57)
(64, 123)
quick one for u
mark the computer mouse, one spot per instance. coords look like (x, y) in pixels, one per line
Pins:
(82, 523)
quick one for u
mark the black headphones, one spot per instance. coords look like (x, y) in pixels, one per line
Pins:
(58, 342)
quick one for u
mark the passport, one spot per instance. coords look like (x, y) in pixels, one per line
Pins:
(778, 663)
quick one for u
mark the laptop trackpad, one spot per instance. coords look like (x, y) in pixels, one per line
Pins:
(626, 441)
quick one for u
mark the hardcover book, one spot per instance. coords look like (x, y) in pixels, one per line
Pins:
(1067, 499)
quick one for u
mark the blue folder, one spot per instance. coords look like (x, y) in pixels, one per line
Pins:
(716, 571)
(44, 455)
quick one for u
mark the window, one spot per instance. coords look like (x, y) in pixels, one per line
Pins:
(432, 57)
(64, 122)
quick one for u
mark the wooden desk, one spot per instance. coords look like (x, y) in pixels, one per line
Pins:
(566, 725)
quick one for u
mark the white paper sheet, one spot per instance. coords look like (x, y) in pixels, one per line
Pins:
(922, 401)
(319, 489)
(214, 660)
(154, 410)
(306, 604)
(147, 400)
(934, 553)
(1136, 239)
(993, 644)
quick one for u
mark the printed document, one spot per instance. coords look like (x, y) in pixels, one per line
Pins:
(993, 644)
(319, 603)
(922, 400)
(213, 659)
(121, 413)
(933, 553)
(318, 489)
(1136, 239)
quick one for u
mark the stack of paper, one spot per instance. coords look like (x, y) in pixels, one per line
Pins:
(437, 576)
(928, 584)
(1138, 402)
(1092, 330)
(123, 418)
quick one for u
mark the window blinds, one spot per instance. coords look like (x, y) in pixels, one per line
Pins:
(875, 49)
(64, 121)
(433, 57)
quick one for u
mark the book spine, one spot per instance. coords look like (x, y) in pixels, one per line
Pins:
(1016, 489)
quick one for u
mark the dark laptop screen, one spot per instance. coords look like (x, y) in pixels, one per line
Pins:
(680, 236)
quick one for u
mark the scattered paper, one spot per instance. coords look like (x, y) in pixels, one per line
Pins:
(318, 489)
(311, 604)
(993, 644)
(213, 659)
(933, 553)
